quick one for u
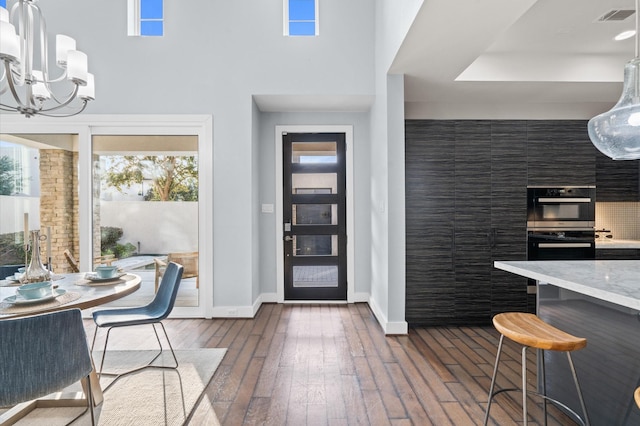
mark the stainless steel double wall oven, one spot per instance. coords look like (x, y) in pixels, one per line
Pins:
(560, 223)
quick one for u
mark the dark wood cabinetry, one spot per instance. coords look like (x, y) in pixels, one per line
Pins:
(617, 180)
(466, 207)
(560, 153)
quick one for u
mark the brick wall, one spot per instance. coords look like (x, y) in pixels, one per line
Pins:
(59, 204)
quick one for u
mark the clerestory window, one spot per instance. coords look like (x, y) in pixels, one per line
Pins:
(146, 18)
(301, 17)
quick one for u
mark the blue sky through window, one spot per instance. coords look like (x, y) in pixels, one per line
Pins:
(3, 3)
(151, 18)
(302, 17)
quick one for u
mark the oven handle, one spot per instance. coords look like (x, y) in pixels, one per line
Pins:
(564, 200)
(564, 245)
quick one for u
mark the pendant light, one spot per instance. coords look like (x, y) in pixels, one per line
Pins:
(616, 133)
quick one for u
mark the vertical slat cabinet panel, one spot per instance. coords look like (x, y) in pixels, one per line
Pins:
(472, 222)
(508, 213)
(617, 180)
(560, 153)
(430, 203)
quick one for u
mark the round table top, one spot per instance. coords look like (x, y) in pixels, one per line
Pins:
(74, 291)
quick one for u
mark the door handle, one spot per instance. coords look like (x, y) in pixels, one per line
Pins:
(288, 238)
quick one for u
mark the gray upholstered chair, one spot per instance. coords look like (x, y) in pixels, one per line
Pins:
(153, 313)
(40, 355)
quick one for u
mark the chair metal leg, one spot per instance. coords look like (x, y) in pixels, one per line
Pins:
(493, 380)
(134, 370)
(524, 386)
(544, 384)
(585, 421)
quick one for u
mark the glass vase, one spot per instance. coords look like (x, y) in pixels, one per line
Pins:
(36, 270)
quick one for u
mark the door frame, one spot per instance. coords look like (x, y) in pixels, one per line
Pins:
(348, 133)
(87, 125)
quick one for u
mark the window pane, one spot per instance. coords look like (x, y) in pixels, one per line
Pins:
(315, 245)
(151, 9)
(302, 28)
(315, 276)
(315, 214)
(3, 3)
(314, 183)
(151, 28)
(302, 10)
(313, 152)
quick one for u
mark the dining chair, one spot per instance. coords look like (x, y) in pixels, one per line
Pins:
(153, 313)
(189, 260)
(40, 355)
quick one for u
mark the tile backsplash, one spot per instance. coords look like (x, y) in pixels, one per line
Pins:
(621, 218)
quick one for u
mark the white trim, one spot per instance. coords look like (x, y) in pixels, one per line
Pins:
(348, 133)
(389, 328)
(87, 125)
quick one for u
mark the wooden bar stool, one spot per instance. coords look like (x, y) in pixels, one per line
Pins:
(531, 332)
(636, 395)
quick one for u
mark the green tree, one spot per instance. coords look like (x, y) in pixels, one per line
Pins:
(7, 175)
(172, 178)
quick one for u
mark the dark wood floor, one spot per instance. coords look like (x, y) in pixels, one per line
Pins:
(332, 365)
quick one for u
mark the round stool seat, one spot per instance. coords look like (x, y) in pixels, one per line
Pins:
(529, 330)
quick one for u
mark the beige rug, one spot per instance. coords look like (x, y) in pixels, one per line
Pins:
(149, 397)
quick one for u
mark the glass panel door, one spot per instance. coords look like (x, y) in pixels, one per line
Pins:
(145, 210)
(315, 216)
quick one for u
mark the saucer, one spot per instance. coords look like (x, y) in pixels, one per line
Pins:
(96, 279)
(15, 300)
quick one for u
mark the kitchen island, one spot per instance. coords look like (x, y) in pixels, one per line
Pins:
(599, 300)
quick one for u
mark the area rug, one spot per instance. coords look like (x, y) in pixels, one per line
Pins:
(149, 397)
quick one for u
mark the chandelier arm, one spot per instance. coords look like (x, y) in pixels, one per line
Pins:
(84, 105)
(637, 26)
(12, 87)
(44, 49)
(70, 99)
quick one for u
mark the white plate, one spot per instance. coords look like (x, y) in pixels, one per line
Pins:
(15, 300)
(96, 279)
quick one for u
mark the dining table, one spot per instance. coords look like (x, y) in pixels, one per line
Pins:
(70, 291)
(76, 290)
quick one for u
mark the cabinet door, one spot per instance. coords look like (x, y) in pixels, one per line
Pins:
(430, 207)
(508, 214)
(472, 223)
(560, 153)
(617, 180)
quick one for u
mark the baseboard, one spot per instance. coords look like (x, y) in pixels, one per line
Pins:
(244, 311)
(389, 328)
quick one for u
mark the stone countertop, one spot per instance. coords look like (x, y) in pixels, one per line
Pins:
(609, 243)
(615, 281)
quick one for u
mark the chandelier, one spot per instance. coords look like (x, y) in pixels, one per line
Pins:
(616, 133)
(26, 84)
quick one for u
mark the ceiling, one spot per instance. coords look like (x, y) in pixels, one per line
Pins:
(514, 58)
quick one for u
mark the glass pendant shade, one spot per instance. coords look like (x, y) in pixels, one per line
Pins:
(616, 133)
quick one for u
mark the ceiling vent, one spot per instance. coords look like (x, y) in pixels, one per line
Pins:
(616, 15)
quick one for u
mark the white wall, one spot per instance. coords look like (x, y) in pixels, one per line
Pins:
(362, 205)
(159, 227)
(215, 55)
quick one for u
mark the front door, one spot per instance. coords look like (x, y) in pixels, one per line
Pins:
(314, 213)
